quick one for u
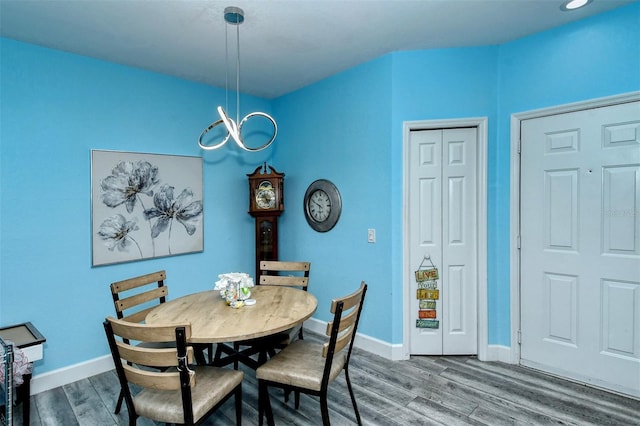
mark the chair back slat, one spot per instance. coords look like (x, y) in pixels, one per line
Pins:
(346, 321)
(348, 302)
(341, 343)
(131, 283)
(284, 280)
(151, 357)
(152, 379)
(280, 265)
(141, 298)
(147, 333)
(285, 273)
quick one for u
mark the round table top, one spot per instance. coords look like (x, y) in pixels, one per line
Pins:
(213, 321)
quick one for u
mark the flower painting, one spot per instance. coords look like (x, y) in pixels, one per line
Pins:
(144, 206)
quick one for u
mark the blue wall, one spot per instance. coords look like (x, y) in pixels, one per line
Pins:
(55, 107)
(339, 129)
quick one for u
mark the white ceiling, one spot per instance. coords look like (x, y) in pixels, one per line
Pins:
(285, 45)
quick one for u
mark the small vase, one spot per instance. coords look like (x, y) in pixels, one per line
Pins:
(233, 291)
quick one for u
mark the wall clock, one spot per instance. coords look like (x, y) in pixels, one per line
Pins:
(322, 205)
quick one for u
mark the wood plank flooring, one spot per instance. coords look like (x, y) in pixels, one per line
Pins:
(450, 390)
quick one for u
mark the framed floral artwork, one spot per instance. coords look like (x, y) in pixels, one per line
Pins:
(145, 206)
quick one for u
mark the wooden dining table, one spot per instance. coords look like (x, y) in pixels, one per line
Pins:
(213, 321)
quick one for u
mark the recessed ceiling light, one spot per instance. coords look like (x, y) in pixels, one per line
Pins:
(574, 4)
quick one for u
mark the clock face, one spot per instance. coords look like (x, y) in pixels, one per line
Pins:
(322, 205)
(265, 196)
(319, 206)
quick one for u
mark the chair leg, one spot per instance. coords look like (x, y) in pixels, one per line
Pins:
(238, 398)
(260, 403)
(353, 397)
(324, 409)
(264, 404)
(119, 403)
(296, 395)
(24, 394)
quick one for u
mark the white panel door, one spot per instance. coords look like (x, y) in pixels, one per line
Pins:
(442, 217)
(580, 246)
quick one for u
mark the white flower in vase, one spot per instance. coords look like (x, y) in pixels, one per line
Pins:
(228, 282)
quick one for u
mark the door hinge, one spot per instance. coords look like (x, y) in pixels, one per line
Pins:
(519, 337)
(518, 242)
(519, 146)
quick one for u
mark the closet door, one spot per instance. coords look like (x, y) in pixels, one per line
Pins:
(443, 234)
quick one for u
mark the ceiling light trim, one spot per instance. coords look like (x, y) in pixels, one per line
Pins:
(571, 5)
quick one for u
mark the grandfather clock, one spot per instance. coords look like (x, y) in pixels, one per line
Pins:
(266, 203)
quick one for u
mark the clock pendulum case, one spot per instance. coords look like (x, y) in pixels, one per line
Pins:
(266, 203)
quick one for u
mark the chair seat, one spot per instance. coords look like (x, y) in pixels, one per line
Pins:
(212, 385)
(300, 364)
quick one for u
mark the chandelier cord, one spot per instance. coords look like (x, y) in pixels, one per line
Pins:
(237, 73)
(226, 68)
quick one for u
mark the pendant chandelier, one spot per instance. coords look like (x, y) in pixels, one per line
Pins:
(235, 16)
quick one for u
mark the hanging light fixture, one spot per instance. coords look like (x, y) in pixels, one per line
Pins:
(235, 16)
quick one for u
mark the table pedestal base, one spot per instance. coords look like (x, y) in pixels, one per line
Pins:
(235, 355)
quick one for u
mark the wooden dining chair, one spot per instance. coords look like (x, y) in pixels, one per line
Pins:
(276, 273)
(310, 367)
(290, 274)
(174, 391)
(133, 298)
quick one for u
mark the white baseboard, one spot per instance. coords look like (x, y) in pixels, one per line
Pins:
(73, 373)
(499, 353)
(70, 374)
(364, 342)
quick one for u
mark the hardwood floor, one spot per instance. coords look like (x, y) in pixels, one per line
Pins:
(446, 390)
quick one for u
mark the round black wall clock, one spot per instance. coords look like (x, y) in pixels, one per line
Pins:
(322, 205)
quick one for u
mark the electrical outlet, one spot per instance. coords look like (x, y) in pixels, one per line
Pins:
(371, 235)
